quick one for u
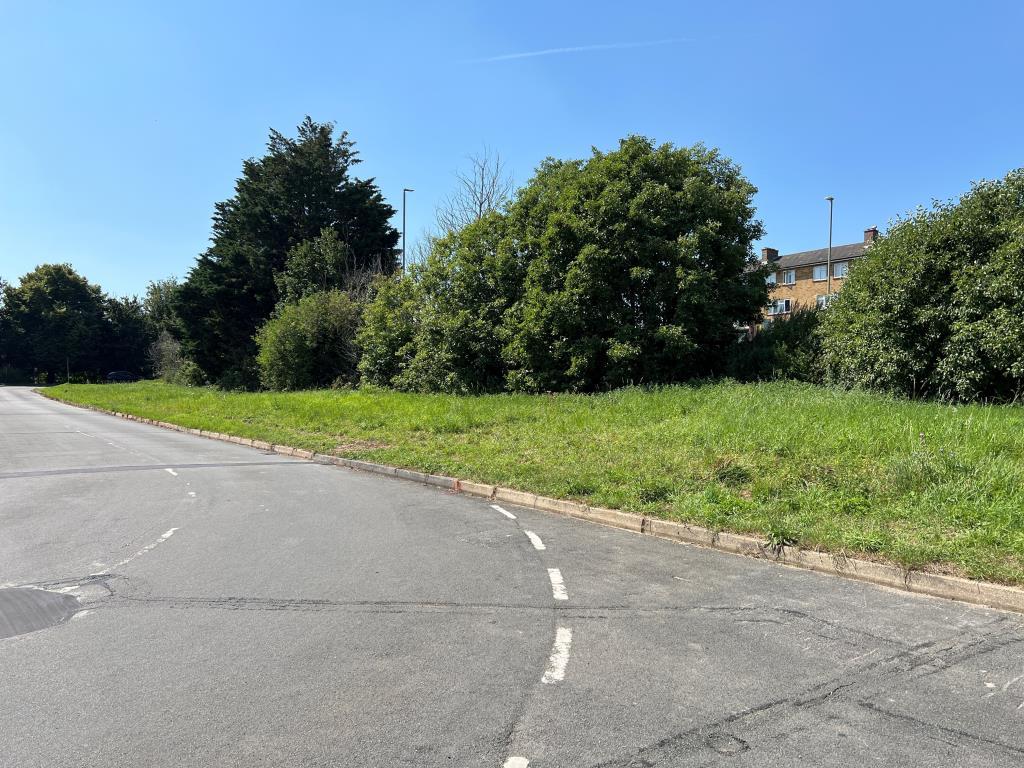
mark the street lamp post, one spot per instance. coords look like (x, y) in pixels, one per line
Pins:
(404, 192)
(828, 290)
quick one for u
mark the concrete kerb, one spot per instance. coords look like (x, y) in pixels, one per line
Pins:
(983, 593)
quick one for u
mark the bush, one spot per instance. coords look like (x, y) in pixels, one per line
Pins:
(310, 344)
(165, 357)
(632, 266)
(787, 349)
(189, 375)
(936, 307)
(389, 325)
(469, 282)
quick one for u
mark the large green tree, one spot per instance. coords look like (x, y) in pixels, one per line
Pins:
(639, 268)
(56, 322)
(632, 266)
(936, 307)
(160, 306)
(300, 187)
(128, 335)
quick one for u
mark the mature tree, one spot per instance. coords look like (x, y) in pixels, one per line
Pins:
(322, 264)
(128, 335)
(160, 306)
(640, 268)
(55, 321)
(8, 373)
(936, 307)
(630, 267)
(471, 278)
(290, 195)
(386, 337)
(310, 343)
(483, 187)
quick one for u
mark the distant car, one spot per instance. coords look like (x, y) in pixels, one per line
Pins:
(115, 377)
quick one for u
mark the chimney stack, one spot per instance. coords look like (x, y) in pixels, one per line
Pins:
(769, 254)
(870, 234)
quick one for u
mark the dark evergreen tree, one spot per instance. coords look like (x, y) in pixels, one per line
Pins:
(299, 188)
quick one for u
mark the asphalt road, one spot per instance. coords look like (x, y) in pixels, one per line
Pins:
(233, 608)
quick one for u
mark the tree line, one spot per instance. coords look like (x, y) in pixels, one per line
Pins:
(56, 325)
(632, 266)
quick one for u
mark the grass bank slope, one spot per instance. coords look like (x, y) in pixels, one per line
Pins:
(922, 484)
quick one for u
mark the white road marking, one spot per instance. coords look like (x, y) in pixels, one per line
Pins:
(516, 762)
(505, 512)
(535, 540)
(557, 585)
(559, 658)
(862, 656)
(192, 494)
(141, 552)
(170, 471)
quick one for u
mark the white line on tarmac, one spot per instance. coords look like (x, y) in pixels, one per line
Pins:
(535, 540)
(557, 585)
(559, 658)
(516, 762)
(141, 552)
(503, 511)
(171, 471)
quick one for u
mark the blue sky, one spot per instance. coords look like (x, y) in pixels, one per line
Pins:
(123, 123)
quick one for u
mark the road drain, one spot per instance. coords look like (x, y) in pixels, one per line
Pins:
(26, 610)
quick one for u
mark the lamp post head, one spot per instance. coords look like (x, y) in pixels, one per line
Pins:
(406, 189)
(830, 198)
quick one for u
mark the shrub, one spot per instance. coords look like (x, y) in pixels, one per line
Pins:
(936, 307)
(165, 357)
(310, 344)
(190, 375)
(386, 335)
(787, 349)
(632, 266)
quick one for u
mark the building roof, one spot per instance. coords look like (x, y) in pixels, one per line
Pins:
(820, 256)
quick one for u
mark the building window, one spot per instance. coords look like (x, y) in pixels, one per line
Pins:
(779, 307)
(840, 268)
(789, 277)
(770, 279)
(824, 300)
(821, 272)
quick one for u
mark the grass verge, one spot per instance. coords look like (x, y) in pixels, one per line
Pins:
(925, 485)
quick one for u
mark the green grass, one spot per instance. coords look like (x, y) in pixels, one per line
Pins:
(923, 484)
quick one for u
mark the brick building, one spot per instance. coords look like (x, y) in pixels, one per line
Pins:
(801, 279)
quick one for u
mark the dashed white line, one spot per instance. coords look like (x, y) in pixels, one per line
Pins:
(170, 471)
(557, 585)
(559, 658)
(503, 511)
(141, 552)
(192, 494)
(516, 762)
(535, 540)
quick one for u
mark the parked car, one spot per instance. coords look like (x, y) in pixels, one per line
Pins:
(116, 377)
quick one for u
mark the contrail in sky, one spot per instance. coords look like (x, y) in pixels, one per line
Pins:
(579, 49)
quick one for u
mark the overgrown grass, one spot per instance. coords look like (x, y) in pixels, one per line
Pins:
(922, 484)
